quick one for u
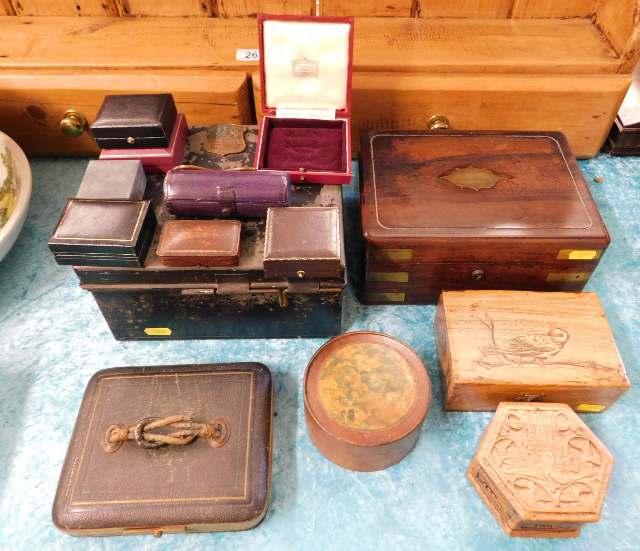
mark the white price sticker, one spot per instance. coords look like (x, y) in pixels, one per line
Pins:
(244, 54)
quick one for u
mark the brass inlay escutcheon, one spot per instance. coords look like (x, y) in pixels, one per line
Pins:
(391, 255)
(579, 254)
(394, 277)
(366, 386)
(226, 139)
(472, 177)
(385, 297)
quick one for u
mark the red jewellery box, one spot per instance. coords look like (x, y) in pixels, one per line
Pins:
(158, 159)
(305, 67)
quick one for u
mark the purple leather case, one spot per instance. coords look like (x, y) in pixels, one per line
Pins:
(242, 194)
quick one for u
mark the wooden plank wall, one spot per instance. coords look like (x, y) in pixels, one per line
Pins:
(360, 8)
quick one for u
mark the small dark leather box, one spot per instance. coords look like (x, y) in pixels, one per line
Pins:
(200, 243)
(169, 449)
(103, 232)
(192, 192)
(303, 242)
(134, 121)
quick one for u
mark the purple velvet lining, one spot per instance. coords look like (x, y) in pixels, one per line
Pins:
(315, 145)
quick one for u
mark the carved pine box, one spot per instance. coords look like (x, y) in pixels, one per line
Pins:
(447, 210)
(182, 448)
(540, 471)
(497, 346)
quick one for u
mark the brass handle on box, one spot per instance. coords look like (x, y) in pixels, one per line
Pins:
(73, 123)
(477, 275)
(438, 122)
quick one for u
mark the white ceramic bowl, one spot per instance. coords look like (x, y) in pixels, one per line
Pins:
(15, 166)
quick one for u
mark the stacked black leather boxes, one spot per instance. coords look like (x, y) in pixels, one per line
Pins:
(103, 232)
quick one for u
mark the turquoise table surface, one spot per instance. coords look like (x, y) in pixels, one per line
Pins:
(53, 338)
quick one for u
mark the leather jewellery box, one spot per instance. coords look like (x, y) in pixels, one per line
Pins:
(497, 346)
(113, 180)
(303, 243)
(135, 121)
(169, 449)
(162, 302)
(449, 210)
(540, 471)
(305, 69)
(159, 159)
(366, 396)
(624, 138)
(200, 243)
(224, 193)
(103, 232)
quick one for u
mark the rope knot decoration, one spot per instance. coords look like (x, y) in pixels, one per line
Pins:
(146, 433)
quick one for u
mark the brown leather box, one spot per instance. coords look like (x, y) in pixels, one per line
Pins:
(449, 210)
(498, 346)
(169, 449)
(303, 242)
(366, 396)
(200, 243)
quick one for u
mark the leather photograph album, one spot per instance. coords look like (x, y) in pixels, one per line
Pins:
(133, 121)
(169, 449)
(199, 243)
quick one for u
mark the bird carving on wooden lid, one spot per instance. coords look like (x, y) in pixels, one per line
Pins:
(532, 348)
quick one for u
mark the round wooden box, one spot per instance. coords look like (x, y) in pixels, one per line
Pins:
(365, 397)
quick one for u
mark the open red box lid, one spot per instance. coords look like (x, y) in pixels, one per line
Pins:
(305, 65)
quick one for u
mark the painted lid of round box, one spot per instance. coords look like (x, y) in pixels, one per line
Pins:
(366, 396)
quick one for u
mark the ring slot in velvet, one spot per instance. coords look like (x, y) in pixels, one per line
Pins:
(243, 194)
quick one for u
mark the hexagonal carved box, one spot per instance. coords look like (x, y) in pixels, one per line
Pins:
(540, 470)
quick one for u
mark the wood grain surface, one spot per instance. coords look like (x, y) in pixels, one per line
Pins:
(540, 470)
(33, 104)
(499, 346)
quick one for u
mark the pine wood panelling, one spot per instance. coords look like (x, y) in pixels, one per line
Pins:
(241, 8)
(465, 8)
(65, 7)
(553, 8)
(6, 8)
(520, 46)
(619, 20)
(367, 8)
(31, 105)
(166, 8)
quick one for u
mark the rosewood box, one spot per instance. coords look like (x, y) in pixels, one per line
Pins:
(113, 180)
(305, 70)
(199, 243)
(449, 210)
(198, 192)
(366, 396)
(540, 471)
(303, 242)
(497, 346)
(135, 121)
(182, 448)
(158, 159)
